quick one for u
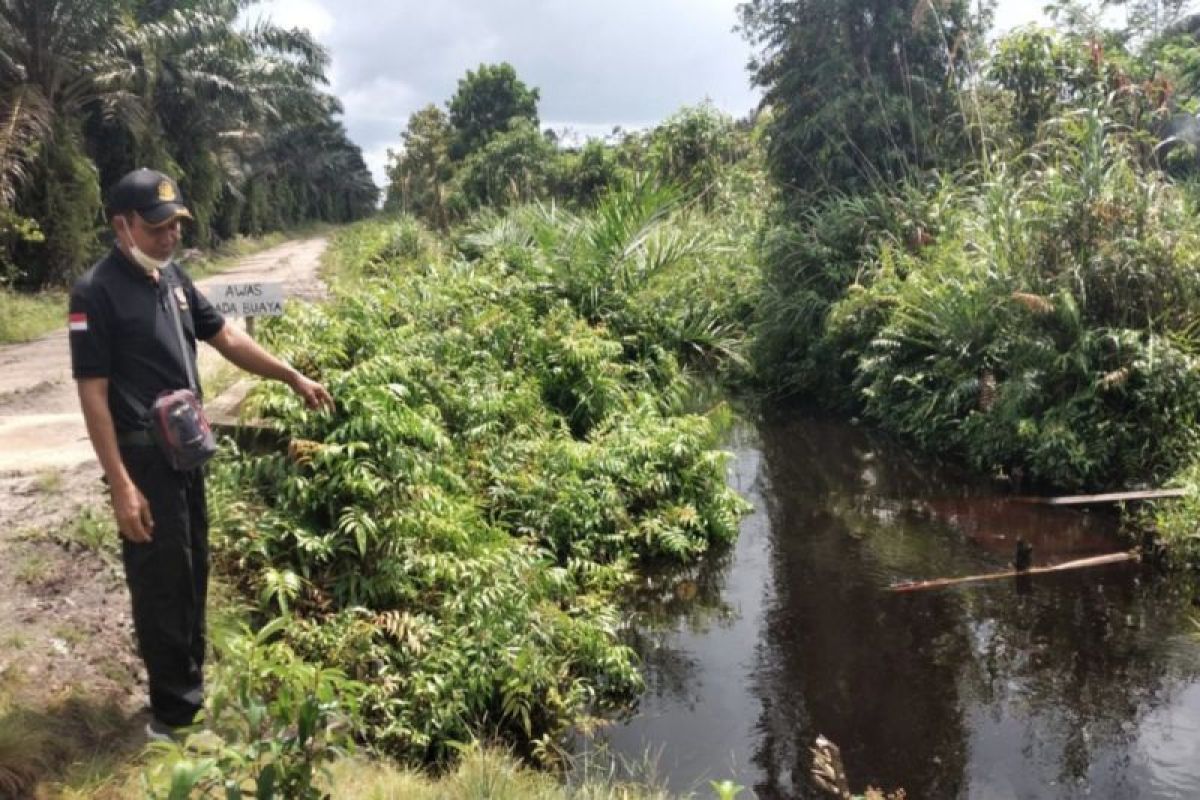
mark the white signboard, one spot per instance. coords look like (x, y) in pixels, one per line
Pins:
(247, 299)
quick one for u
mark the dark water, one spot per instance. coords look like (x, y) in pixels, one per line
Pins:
(1082, 684)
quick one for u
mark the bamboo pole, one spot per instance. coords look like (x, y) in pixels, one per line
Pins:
(1082, 563)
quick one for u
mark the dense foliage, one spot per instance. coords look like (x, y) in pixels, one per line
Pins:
(235, 111)
(272, 725)
(487, 103)
(1031, 310)
(510, 443)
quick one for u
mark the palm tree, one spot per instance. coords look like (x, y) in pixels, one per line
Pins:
(211, 88)
(92, 88)
(322, 170)
(56, 66)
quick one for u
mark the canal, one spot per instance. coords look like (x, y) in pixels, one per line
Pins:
(1080, 684)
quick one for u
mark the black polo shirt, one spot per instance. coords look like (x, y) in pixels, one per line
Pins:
(122, 329)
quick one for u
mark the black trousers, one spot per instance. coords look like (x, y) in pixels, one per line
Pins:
(168, 583)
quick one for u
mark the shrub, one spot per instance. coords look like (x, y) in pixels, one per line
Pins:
(272, 722)
(453, 533)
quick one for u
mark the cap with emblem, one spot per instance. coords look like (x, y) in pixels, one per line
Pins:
(153, 195)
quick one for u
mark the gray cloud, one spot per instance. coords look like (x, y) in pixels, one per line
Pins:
(597, 63)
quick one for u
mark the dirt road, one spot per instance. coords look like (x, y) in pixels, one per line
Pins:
(40, 424)
(64, 614)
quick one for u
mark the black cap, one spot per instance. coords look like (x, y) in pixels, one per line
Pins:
(153, 195)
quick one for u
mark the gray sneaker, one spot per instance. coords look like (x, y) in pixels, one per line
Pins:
(162, 732)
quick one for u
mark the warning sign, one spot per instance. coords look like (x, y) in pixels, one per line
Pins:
(247, 299)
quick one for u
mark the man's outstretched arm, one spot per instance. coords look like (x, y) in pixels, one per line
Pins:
(242, 351)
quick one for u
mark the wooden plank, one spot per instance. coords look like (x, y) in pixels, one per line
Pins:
(1082, 563)
(1098, 499)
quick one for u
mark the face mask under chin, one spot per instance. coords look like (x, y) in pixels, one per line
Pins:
(140, 257)
(150, 265)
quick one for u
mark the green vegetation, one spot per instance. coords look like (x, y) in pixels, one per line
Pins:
(503, 454)
(270, 725)
(277, 729)
(861, 92)
(1027, 303)
(487, 104)
(27, 316)
(1178, 523)
(90, 90)
(515, 436)
(487, 153)
(481, 775)
(988, 249)
(95, 531)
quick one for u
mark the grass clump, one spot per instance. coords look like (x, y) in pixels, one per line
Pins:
(94, 530)
(481, 774)
(1176, 523)
(35, 569)
(73, 742)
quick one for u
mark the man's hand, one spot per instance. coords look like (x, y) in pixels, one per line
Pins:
(242, 351)
(133, 514)
(314, 394)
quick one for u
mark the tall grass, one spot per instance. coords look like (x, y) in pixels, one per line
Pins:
(480, 775)
(24, 317)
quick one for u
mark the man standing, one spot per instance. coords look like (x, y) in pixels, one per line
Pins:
(125, 351)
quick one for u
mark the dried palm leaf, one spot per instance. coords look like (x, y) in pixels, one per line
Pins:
(1115, 379)
(25, 117)
(1034, 302)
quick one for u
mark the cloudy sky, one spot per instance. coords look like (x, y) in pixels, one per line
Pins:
(597, 63)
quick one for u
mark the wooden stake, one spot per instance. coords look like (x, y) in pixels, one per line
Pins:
(1083, 563)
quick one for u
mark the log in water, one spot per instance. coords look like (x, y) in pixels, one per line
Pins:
(1082, 563)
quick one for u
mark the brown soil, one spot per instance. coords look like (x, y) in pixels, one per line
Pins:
(65, 627)
(63, 609)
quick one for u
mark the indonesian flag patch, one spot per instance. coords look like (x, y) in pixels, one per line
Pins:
(77, 322)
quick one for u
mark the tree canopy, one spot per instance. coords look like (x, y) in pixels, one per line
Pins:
(860, 90)
(486, 103)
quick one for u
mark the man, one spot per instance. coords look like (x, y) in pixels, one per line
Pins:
(125, 351)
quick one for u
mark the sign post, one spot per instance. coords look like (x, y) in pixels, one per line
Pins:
(248, 300)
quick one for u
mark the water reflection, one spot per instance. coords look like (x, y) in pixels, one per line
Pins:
(1065, 686)
(690, 599)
